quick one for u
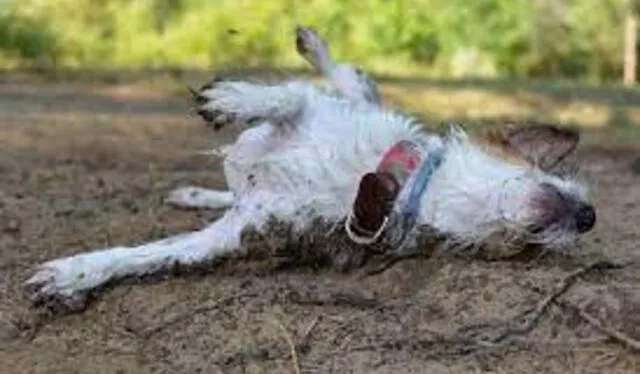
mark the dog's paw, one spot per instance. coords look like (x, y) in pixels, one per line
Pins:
(223, 102)
(54, 284)
(65, 283)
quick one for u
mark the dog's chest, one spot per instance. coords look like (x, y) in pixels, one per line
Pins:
(306, 161)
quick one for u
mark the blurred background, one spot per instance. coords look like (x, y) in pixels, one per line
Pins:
(579, 39)
(569, 60)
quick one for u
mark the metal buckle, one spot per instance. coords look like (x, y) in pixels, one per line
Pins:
(362, 239)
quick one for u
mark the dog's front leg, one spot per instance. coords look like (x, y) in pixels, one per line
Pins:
(222, 102)
(69, 280)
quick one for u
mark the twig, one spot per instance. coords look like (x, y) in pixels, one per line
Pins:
(562, 287)
(593, 321)
(292, 346)
(305, 336)
(534, 315)
(469, 340)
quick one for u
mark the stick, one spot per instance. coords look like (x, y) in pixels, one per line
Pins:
(542, 306)
(593, 321)
(292, 346)
(469, 340)
(307, 332)
(562, 287)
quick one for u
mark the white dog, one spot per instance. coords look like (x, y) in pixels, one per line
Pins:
(345, 80)
(317, 159)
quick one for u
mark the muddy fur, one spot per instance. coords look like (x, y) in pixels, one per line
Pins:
(327, 246)
(68, 193)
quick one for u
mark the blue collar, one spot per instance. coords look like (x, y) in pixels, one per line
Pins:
(421, 182)
(409, 213)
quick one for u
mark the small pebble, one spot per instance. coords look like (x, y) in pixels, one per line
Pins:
(12, 226)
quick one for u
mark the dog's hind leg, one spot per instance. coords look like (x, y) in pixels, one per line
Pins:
(192, 197)
(348, 80)
(70, 279)
(228, 101)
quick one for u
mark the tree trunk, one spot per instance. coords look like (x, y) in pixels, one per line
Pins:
(630, 45)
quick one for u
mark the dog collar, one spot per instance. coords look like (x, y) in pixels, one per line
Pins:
(412, 168)
(407, 208)
(430, 164)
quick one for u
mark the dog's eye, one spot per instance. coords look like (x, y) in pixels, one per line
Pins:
(358, 71)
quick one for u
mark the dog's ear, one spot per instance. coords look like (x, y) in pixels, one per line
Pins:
(542, 145)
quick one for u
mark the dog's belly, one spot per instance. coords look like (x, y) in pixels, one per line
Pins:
(315, 164)
(303, 161)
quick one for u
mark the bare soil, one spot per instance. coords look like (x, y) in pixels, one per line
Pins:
(84, 166)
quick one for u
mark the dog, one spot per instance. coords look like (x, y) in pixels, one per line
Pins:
(343, 79)
(314, 164)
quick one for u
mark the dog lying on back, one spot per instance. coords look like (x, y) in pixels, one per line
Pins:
(343, 79)
(316, 161)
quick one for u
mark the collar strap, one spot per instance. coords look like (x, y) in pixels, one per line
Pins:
(421, 182)
(413, 169)
(407, 215)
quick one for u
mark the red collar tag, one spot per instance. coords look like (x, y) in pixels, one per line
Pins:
(401, 160)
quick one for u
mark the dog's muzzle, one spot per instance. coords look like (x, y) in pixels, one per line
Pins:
(557, 209)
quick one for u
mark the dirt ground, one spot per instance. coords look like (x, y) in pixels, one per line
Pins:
(87, 166)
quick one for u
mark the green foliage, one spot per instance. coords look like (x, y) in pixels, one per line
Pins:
(24, 38)
(522, 38)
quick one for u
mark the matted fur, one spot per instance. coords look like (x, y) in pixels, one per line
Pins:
(296, 174)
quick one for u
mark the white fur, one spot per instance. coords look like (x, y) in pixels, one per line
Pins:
(304, 160)
(343, 80)
(198, 197)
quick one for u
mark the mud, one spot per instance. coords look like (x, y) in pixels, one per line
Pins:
(87, 166)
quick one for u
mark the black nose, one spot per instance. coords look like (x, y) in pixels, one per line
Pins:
(585, 218)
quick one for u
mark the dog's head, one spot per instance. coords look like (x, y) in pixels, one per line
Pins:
(508, 180)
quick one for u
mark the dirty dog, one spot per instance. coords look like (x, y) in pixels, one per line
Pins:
(374, 176)
(342, 79)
